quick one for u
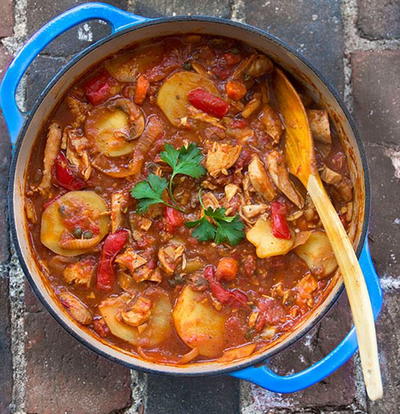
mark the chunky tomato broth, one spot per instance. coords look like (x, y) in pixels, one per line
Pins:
(160, 207)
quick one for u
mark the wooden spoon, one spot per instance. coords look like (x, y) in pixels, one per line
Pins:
(301, 162)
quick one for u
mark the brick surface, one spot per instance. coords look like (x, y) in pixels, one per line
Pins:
(336, 391)
(63, 376)
(314, 30)
(379, 19)
(7, 18)
(40, 12)
(389, 339)
(377, 109)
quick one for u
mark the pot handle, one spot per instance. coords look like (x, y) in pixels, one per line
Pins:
(117, 18)
(266, 378)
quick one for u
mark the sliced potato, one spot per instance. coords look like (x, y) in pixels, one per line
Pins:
(52, 226)
(317, 253)
(172, 97)
(198, 324)
(106, 129)
(158, 326)
(267, 245)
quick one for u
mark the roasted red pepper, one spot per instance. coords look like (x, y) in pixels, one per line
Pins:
(207, 102)
(233, 297)
(64, 175)
(280, 227)
(111, 247)
(173, 219)
(99, 88)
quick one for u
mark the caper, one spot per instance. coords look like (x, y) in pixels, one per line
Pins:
(87, 234)
(62, 210)
(187, 66)
(235, 51)
(77, 232)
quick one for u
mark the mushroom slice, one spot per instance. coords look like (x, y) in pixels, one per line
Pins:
(221, 157)
(198, 324)
(319, 125)
(267, 245)
(280, 177)
(76, 308)
(260, 180)
(272, 123)
(57, 232)
(172, 96)
(53, 144)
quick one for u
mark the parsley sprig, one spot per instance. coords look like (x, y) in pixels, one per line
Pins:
(221, 228)
(185, 160)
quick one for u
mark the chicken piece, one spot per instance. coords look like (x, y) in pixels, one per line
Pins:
(260, 180)
(169, 256)
(30, 211)
(280, 177)
(130, 260)
(230, 191)
(253, 210)
(252, 105)
(259, 65)
(76, 308)
(79, 110)
(341, 183)
(51, 150)
(209, 200)
(319, 125)
(137, 312)
(147, 272)
(305, 287)
(199, 115)
(80, 273)
(144, 223)
(272, 123)
(77, 154)
(119, 203)
(221, 157)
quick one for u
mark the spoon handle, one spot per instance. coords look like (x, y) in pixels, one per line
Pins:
(355, 286)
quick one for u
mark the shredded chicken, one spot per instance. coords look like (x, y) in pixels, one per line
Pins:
(51, 150)
(130, 260)
(80, 273)
(260, 180)
(77, 154)
(252, 105)
(169, 256)
(272, 123)
(341, 183)
(230, 191)
(280, 177)
(147, 272)
(138, 312)
(30, 210)
(119, 203)
(319, 125)
(221, 157)
(253, 210)
(253, 66)
(78, 109)
(76, 308)
(209, 200)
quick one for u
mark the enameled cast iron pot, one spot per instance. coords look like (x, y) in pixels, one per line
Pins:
(127, 29)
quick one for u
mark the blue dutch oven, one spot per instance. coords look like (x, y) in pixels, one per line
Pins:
(128, 28)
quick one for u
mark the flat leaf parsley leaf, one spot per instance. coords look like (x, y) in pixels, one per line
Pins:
(222, 228)
(149, 192)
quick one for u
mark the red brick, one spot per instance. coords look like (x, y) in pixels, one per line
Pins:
(336, 391)
(63, 376)
(379, 19)
(7, 18)
(376, 90)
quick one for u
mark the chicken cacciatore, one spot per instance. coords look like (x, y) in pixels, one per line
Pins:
(161, 211)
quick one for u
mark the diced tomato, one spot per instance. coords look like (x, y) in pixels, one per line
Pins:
(173, 219)
(142, 86)
(233, 297)
(227, 268)
(99, 88)
(232, 59)
(207, 102)
(113, 244)
(235, 90)
(100, 326)
(271, 312)
(239, 123)
(280, 227)
(249, 265)
(65, 176)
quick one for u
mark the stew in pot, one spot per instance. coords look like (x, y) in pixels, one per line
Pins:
(161, 211)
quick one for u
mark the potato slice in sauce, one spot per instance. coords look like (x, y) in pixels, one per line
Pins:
(53, 225)
(198, 324)
(172, 97)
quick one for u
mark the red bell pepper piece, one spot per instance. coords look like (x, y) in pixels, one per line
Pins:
(233, 297)
(207, 102)
(280, 227)
(111, 247)
(64, 175)
(98, 88)
(173, 219)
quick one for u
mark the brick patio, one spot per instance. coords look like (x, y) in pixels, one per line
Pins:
(356, 44)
